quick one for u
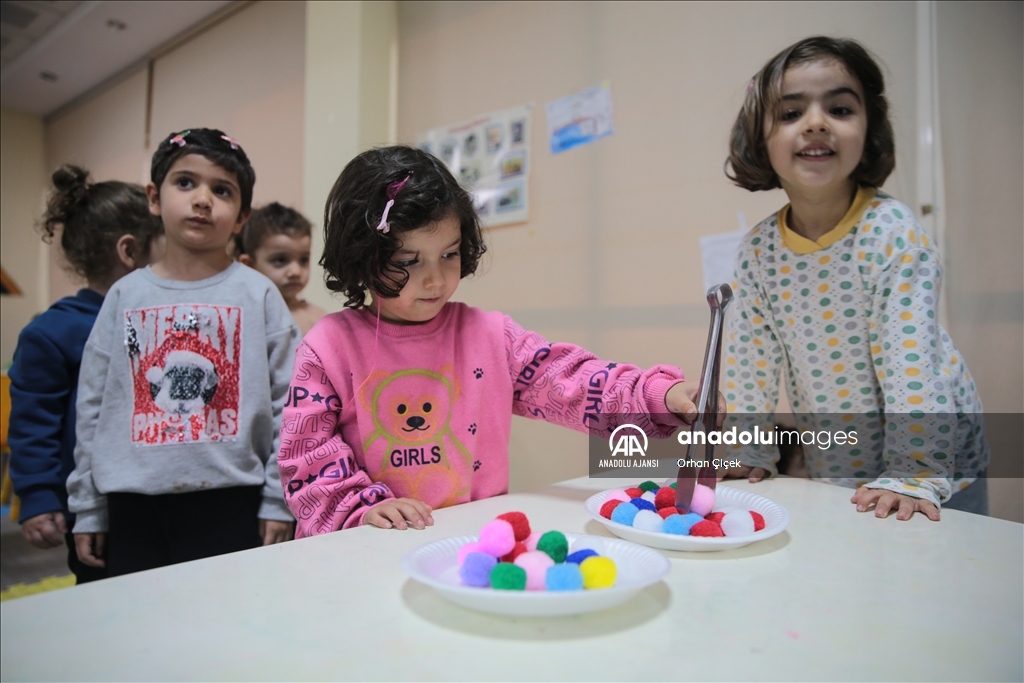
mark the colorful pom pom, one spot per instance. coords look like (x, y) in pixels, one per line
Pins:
(648, 496)
(535, 563)
(647, 520)
(738, 523)
(580, 555)
(508, 577)
(703, 500)
(680, 525)
(634, 492)
(715, 517)
(476, 569)
(520, 524)
(608, 507)
(707, 528)
(641, 504)
(564, 577)
(497, 538)
(758, 520)
(555, 545)
(517, 550)
(665, 498)
(598, 572)
(667, 512)
(648, 486)
(624, 514)
(531, 540)
(617, 494)
(466, 549)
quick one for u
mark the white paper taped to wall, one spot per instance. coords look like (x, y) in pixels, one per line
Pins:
(718, 254)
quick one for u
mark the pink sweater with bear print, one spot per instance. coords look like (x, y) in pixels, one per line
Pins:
(425, 411)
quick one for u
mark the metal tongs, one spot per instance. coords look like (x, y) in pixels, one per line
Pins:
(719, 297)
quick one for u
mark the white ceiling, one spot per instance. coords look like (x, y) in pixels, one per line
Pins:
(54, 52)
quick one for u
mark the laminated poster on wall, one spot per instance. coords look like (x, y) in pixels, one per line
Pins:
(489, 155)
(580, 119)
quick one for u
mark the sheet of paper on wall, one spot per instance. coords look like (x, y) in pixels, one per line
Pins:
(489, 154)
(580, 119)
(718, 257)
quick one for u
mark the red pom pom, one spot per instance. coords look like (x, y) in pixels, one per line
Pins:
(665, 498)
(666, 512)
(518, 549)
(715, 517)
(634, 492)
(707, 528)
(758, 520)
(608, 507)
(520, 524)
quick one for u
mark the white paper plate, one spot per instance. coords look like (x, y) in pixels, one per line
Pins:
(776, 519)
(436, 565)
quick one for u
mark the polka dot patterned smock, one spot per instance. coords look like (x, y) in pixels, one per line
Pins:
(853, 319)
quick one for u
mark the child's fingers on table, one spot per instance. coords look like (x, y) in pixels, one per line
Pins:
(413, 511)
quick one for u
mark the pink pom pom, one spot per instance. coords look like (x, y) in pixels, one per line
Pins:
(466, 550)
(617, 494)
(758, 520)
(703, 500)
(738, 523)
(535, 563)
(532, 539)
(497, 538)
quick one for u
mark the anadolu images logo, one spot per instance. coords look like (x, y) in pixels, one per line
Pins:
(628, 444)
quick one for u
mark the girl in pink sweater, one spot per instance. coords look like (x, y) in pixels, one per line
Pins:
(403, 402)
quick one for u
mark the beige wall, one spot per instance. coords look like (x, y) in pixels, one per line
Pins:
(610, 258)
(22, 191)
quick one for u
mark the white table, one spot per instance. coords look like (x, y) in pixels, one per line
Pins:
(838, 596)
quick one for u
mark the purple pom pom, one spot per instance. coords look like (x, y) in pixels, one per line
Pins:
(476, 569)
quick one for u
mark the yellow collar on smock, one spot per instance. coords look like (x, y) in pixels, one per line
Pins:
(802, 245)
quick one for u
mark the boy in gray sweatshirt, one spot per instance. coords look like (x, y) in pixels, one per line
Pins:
(183, 382)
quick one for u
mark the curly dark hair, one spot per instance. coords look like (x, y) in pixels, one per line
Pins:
(357, 257)
(212, 144)
(92, 217)
(272, 219)
(748, 152)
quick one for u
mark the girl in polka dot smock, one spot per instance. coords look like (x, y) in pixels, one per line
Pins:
(841, 289)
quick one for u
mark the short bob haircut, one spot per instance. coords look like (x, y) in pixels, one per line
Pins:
(357, 256)
(215, 146)
(748, 152)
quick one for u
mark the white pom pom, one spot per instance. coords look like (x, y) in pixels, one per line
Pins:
(646, 520)
(738, 523)
(648, 496)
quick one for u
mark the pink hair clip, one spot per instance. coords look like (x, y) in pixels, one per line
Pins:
(230, 141)
(393, 190)
(179, 139)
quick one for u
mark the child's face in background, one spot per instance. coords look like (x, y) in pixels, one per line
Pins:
(199, 203)
(285, 260)
(431, 256)
(817, 141)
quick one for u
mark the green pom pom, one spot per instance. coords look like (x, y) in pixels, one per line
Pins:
(648, 486)
(673, 484)
(554, 544)
(508, 577)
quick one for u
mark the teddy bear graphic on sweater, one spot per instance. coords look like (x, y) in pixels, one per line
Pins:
(412, 440)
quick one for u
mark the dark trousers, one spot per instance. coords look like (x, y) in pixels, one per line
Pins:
(146, 532)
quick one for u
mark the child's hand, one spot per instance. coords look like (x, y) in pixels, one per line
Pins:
(395, 513)
(681, 399)
(753, 474)
(46, 530)
(884, 502)
(91, 548)
(272, 531)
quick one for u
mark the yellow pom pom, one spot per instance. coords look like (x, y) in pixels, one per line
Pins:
(598, 572)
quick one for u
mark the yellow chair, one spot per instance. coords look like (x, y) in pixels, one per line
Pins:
(7, 487)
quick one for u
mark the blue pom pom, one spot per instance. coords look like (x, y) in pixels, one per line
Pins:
(476, 569)
(624, 514)
(680, 524)
(564, 577)
(581, 555)
(642, 504)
